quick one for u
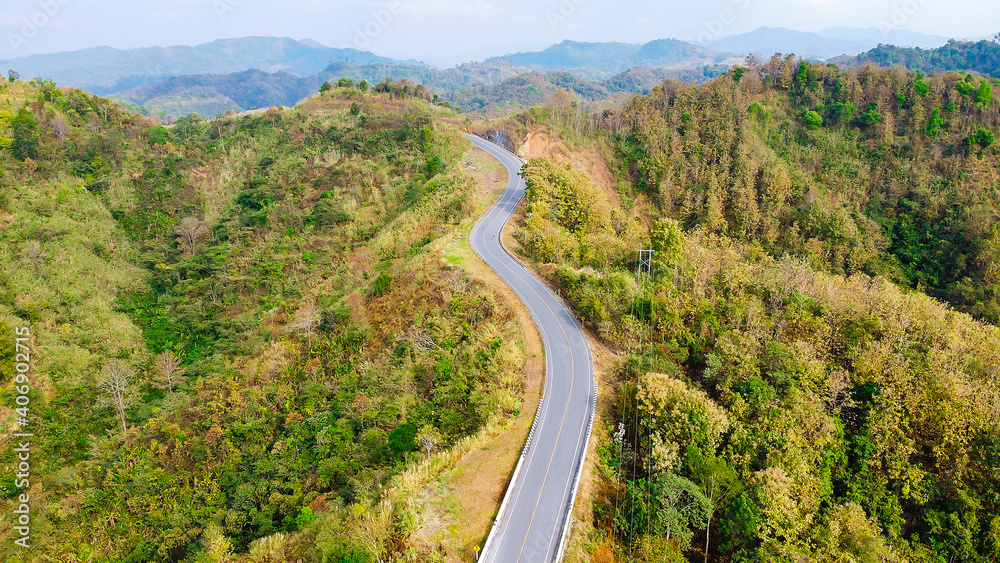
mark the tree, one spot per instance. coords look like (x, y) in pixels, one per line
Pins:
(13, 75)
(964, 88)
(117, 388)
(984, 95)
(60, 127)
(681, 413)
(159, 135)
(720, 485)
(561, 104)
(935, 123)
(325, 88)
(982, 137)
(871, 117)
(668, 241)
(25, 144)
(813, 120)
(36, 256)
(306, 320)
(168, 367)
(94, 124)
(191, 229)
(429, 438)
(216, 547)
(678, 506)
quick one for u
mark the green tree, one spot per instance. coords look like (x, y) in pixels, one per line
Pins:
(871, 117)
(982, 137)
(964, 88)
(668, 242)
(325, 87)
(26, 135)
(984, 95)
(934, 124)
(159, 135)
(720, 485)
(813, 120)
(678, 506)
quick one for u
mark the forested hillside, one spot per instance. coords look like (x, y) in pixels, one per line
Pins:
(246, 342)
(980, 56)
(876, 171)
(778, 397)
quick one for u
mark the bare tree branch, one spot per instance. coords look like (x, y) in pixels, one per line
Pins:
(118, 388)
(168, 367)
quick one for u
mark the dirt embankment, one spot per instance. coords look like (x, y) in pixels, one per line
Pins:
(540, 142)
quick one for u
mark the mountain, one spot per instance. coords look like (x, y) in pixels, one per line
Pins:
(483, 53)
(105, 70)
(600, 60)
(828, 43)
(213, 94)
(538, 88)
(479, 87)
(981, 56)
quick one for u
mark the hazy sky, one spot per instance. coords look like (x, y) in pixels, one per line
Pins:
(446, 31)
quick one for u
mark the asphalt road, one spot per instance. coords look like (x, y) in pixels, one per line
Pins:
(532, 519)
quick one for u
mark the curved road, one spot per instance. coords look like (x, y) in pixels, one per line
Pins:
(531, 524)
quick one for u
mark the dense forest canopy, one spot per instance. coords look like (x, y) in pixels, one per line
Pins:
(868, 170)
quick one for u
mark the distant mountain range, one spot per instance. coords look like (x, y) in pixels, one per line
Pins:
(105, 71)
(212, 94)
(825, 44)
(240, 74)
(600, 60)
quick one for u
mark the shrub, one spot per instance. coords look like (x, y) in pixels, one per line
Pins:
(813, 120)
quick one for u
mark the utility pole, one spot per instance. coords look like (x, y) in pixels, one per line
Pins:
(645, 265)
